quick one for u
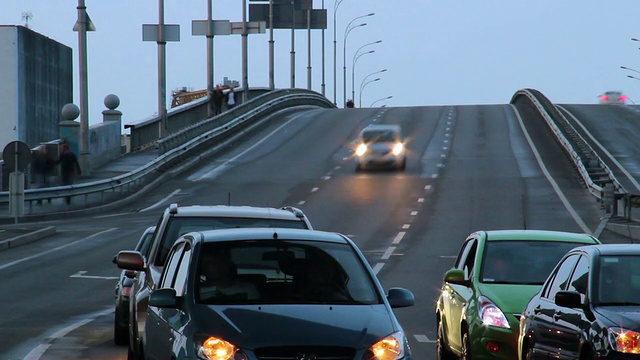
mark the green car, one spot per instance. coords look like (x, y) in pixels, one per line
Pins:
(495, 275)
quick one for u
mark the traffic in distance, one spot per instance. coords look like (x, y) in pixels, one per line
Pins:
(411, 269)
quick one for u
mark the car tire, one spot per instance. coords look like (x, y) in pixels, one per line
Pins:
(442, 349)
(466, 347)
(120, 333)
(529, 354)
(403, 164)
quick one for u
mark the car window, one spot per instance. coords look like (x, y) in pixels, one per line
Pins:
(178, 226)
(283, 272)
(522, 261)
(580, 278)
(172, 266)
(561, 277)
(618, 280)
(466, 258)
(144, 244)
(370, 136)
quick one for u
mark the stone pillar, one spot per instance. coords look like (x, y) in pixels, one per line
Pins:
(70, 133)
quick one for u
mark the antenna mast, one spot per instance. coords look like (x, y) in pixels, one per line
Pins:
(27, 16)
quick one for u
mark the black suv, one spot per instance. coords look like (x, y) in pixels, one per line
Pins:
(177, 221)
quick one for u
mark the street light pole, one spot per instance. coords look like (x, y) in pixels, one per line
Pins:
(377, 101)
(365, 79)
(362, 88)
(630, 69)
(356, 56)
(344, 54)
(335, 81)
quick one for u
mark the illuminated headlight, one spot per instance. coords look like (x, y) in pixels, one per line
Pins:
(624, 341)
(398, 149)
(213, 348)
(491, 314)
(362, 148)
(389, 348)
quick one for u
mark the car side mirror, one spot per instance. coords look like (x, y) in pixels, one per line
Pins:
(456, 276)
(568, 299)
(130, 260)
(164, 298)
(400, 297)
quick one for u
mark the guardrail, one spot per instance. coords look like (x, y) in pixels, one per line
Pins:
(194, 141)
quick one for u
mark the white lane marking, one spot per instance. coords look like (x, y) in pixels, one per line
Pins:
(315, 189)
(553, 183)
(81, 274)
(449, 256)
(326, 177)
(398, 238)
(420, 200)
(423, 338)
(434, 176)
(406, 226)
(414, 213)
(37, 353)
(301, 202)
(161, 201)
(8, 265)
(427, 187)
(387, 254)
(377, 268)
(214, 170)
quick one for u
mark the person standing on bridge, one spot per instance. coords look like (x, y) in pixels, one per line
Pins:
(218, 96)
(231, 98)
(69, 167)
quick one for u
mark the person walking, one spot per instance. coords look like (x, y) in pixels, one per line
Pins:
(218, 96)
(231, 99)
(69, 167)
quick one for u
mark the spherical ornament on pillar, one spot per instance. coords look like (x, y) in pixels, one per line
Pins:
(70, 111)
(111, 101)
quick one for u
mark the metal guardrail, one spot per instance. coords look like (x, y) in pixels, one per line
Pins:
(180, 146)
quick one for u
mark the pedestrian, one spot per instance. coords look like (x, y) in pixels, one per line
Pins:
(218, 96)
(41, 165)
(69, 167)
(231, 99)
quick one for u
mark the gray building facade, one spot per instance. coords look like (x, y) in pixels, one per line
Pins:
(36, 81)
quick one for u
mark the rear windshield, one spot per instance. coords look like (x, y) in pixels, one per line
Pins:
(179, 226)
(370, 136)
(522, 262)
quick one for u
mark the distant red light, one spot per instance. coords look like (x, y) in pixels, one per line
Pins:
(623, 98)
(604, 97)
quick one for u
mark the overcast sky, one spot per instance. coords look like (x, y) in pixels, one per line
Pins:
(434, 52)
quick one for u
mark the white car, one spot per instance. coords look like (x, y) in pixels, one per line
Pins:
(381, 145)
(613, 97)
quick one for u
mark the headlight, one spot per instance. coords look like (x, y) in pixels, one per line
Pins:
(362, 148)
(213, 348)
(398, 149)
(491, 314)
(624, 341)
(389, 348)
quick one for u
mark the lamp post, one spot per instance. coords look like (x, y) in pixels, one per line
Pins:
(630, 69)
(356, 56)
(344, 54)
(365, 79)
(362, 88)
(353, 68)
(335, 81)
(383, 99)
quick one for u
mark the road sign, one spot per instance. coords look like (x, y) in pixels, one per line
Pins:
(218, 27)
(150, 32)
(17, 153)
(253, 27)
(284, 16)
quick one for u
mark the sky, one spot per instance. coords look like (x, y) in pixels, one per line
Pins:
(464, 52)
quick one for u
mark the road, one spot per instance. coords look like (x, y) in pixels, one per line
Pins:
(469, 168)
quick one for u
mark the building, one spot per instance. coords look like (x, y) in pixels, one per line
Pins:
(36, 81)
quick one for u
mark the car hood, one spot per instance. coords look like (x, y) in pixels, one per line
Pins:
(357, 326)
(627, 317)
(510, 298)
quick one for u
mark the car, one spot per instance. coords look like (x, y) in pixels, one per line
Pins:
(494, 276)
(613, 97)
(588, 308)
(123, 292)
(381, 146)
(178, 220)
(260, 293)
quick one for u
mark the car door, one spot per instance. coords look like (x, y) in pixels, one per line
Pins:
(163, 325)
(455, 297)
(543, 309)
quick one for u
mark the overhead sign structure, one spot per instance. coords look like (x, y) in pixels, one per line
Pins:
(283, 16)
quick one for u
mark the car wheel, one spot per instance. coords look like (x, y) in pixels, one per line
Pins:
(120, 333)
(131, 355)
(442, 349)
(528, 355)
(466, 347)
(403, 164)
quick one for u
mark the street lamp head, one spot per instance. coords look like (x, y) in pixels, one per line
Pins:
(371, 14)
(634, 39)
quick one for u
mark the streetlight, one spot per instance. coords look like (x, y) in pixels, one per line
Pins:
(362, 88)
(356, 56)
(335, 12)
(344, 53)
(365, 79)
(377, 101)
(630, 69)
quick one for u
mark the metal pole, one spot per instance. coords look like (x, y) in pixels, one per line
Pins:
(362, 88)
(162, 69)
(377, 101)
(293, 52)
(356, 56)
(309, 49)
(271, 52)
(335, 81)
(344, 59)
(322, 86)
(210, 109)
(84, 90)
(245, 68)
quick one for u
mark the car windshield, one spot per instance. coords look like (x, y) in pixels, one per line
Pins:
(521, 262)
(618, 281)
(373, 136)
(283, 272)
(178, 226)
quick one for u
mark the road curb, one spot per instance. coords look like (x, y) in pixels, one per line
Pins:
(28, 236)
